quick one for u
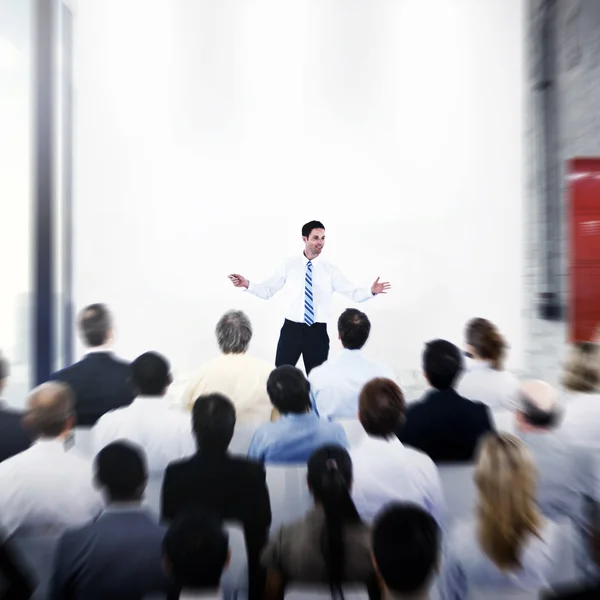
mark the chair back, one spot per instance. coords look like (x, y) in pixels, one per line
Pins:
(242, 436)
(290, 498)
(235, 578)
(153, 493)
(459, 490)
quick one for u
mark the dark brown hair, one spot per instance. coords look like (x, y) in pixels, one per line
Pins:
(487, 341)
(381, 407)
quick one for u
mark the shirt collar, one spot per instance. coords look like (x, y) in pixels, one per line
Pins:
(124, 507)
(291, 417)
(188, 594)
(372, 443)
(151, 402)
(477, 364)
(105, 348)
(306, 260)
(50, 444)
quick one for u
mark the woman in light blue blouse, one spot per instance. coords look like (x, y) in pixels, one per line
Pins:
(507, 546)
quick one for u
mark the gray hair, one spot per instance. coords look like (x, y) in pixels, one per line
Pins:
(50, 406)
(234, 332)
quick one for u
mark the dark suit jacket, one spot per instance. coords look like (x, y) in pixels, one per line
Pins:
(13, 438)
(118, 556)
(445, 426)
(584, 593)
(100, 382)
(233, 488)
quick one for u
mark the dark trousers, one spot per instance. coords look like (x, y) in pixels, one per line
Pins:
(310, 341)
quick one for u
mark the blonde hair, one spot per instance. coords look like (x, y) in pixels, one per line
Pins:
(581, 371)
(486, 340)
(505, 477)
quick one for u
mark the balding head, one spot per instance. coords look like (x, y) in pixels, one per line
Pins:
(50, 410)
(539, 406)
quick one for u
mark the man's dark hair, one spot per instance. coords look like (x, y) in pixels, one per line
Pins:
(95, 324)
(289, 390)
(196, 547)
(537, 417)
(121, 468)
(308, 227)
(354, 328)
(381, 407)
(151, 374)
(406, 546)
(4, 368)
(213, 422)
(442, 363)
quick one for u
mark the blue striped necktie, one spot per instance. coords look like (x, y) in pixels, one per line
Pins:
(309, 306)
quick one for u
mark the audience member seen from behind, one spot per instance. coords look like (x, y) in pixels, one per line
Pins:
(507, 545)
(231, 487)
(13, 437)
(299, 431)
(46, 487)
(165, 434)
(117, 556)
(443, 424)
(581, 383)
(330, 545)
(406, 552)
(485, 379)
(336, 384)
(384, 470)
(235, 373)
(196, 553)
(99, 380)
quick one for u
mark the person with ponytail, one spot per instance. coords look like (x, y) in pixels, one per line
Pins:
(330, 545)
(485, 379)
(508, 545)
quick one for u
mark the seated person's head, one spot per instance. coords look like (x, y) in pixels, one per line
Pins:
(539, 407)
(196, 551)
(4, 372)
(95, 325)
(442, 364)
(329, 473)
(406, 550)
(120, 472)
(381, 407)
(353, 328)
(50, 411)
(234, 332)
(213, 422)
(484, 342)
(582, 368)
(507, 512)
(289, 390)
(151, 374)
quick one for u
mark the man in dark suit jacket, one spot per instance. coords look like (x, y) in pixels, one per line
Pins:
(443, 424)
(100, 381)
(118, 556)
(13, 437)
(231, 487)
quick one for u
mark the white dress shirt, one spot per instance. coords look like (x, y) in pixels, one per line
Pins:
(386, 471)
(336, 384)
(240, 377)
(581, 421)
(498, 389)
(46, 490)
(326, 279)
(163, 432)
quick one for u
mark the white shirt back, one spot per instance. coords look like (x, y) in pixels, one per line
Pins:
(164, 432)
(240, 377)
(46, 490)
(581, 421)
(336, 384)
(497, 389)
(386, 471)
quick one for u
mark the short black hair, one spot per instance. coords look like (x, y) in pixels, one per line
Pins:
(151, 374)
(442, 363)
(95, 324)
(405, 543)
(381, 407)
(289, 390)
(308, 227)
(213, 422)
(536, 417)
(354, 328)
(196, 546)
(4, 368)
(121, 468)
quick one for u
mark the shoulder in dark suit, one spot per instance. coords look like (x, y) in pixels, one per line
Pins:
(118, 556)
(100, 382)
(13, 438)
(584, 593)
(234, 488)
(445, 426)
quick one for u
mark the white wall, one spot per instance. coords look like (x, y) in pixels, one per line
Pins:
(209, 131)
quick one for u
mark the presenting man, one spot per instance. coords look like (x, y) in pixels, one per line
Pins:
(314, 280)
